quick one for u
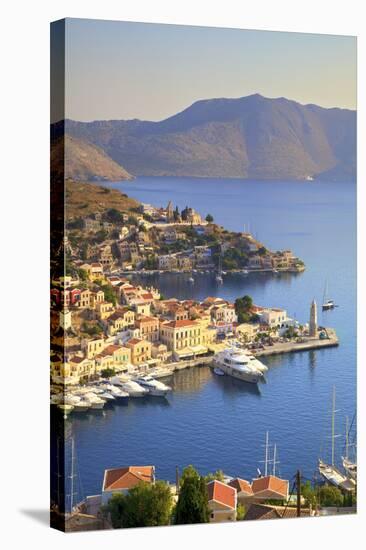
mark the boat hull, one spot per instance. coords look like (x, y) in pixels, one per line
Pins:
(250, 377)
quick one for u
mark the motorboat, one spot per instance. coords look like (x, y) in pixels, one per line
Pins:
(245, 271)
(161, 372)
(154, 387)
(134, 389)
(118, 394)
(236, 363)
(95, 401)
(218, 371)
(254, 362)
(82, 406)
(107, 397)
(191, 280)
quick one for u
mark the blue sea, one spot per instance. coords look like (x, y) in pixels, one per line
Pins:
(214, 422)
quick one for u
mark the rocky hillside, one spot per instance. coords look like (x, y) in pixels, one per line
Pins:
(85, 161)
(83, 199)
(250, 137)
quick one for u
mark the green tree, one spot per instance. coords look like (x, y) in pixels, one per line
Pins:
(309, 494)
(330, 496)
(107, 373)
(240, 512)
(209, 218)
(243, 308)
(113, 215)
(83, 275)
(109, 295)
(192, 505)
(219, 475)
(145, 505)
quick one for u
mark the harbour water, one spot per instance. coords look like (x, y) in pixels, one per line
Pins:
(216, 422)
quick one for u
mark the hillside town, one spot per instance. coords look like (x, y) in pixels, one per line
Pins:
(105, 324)
(147, 238)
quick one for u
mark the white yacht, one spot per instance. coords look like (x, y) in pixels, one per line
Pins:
(254, 362)
(95, 401)
(117, 393)
(236, 363)
(134, 389)
(153, 386)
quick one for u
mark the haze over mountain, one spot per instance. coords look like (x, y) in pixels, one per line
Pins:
(250, 137)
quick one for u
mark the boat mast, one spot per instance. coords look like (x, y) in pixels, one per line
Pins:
(325, 292)
(333, 423)
(266, 456)
(274, 459)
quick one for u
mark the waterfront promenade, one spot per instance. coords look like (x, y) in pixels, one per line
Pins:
(277, 348)
(306, 345)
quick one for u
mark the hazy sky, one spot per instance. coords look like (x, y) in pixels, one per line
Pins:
(117, 70)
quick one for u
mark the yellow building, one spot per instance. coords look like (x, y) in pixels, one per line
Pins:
(246, 331)
(104, 310)
(183, 338)
(93, 347)
(120, 320)
(140, 350)
(222, 501)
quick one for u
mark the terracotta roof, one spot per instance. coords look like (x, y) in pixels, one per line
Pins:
(221, 493)
(77, 359)
(146, 319)
(147, 296)
(134, 341)
(261, 511)
(128, 477)
(111, 348)
(241, 485)
(270, 484)
(181, 323)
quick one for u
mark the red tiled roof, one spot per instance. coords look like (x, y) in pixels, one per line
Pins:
(271, 484)
(241, 485)
(221, 493)
(128, 477)
(147, 296)
(134, 341)
(76, 359)
(111, 348)
(180, 324)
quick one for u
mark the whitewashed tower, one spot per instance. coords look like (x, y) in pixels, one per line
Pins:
(313, 325)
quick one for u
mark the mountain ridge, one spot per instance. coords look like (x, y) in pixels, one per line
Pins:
(250, 137)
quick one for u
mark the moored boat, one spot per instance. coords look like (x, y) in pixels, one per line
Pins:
(154, 387)
(236, 363)
(134, 389)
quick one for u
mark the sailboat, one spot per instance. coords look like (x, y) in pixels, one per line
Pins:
(327, 303)
(329, 471)
(218, 277)
(349, 466)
